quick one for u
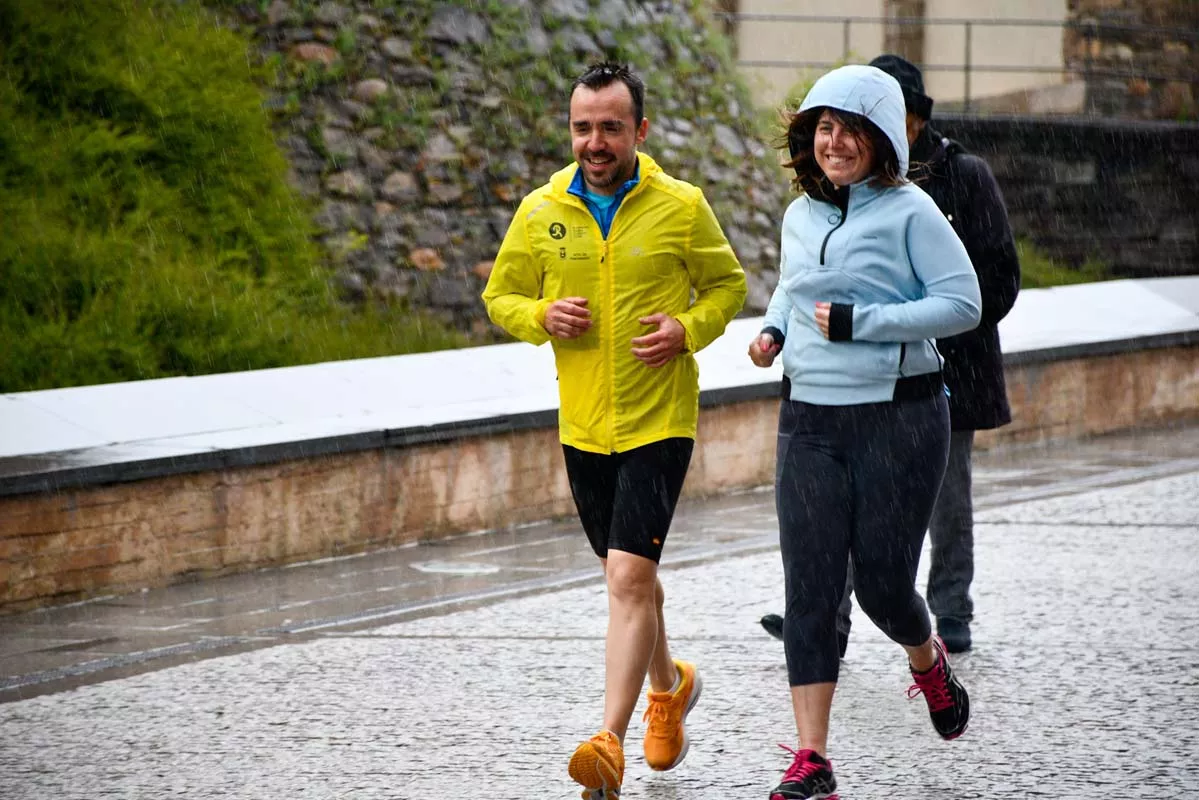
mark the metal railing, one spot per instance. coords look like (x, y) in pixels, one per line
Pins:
(1088, 70)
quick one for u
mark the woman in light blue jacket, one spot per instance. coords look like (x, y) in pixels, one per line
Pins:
(871, 274)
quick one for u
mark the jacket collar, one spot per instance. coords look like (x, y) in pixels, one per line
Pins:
(561, 180)
(863, 192)
(855, 194)
(928, 151)
(578, 187)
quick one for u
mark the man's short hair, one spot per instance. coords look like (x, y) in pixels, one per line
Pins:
(605, 73)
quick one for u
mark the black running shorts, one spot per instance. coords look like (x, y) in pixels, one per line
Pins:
(626, 500)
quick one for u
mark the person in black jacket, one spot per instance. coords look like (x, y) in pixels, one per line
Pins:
(964, 189)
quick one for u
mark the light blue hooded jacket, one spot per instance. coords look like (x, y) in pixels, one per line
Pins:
(896, 273)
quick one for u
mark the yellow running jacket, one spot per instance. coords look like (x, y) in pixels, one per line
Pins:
(665, 252)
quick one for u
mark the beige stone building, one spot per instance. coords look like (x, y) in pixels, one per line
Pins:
(969, 48)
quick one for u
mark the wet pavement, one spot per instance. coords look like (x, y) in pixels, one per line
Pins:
(473, 666)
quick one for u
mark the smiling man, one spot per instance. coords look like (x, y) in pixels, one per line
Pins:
(626, 271)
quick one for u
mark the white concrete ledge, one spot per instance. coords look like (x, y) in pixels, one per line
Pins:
(129, 431)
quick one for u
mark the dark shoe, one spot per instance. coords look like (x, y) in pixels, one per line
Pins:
(809, 777)
(773, 624)
(948, 702)
(954, 633)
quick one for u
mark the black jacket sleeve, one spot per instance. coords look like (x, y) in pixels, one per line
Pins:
(987, 235)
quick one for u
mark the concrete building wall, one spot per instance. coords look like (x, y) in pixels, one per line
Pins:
(992, 45)
(834, 41)
(826, 42)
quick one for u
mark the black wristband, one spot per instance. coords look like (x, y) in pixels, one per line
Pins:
(840, 322)
(775, 333)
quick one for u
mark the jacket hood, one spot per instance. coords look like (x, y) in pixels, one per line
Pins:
(870, 92)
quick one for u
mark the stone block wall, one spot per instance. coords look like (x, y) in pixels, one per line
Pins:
(1121, 192)
(118, 538)
(1139, 58)
(416, 127)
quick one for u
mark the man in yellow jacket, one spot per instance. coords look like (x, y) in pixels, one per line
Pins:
(627, 272)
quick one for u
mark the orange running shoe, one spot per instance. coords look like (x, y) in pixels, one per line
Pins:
(666, 741)
(598, 764)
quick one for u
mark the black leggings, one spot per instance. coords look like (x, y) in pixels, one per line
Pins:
(858, 480)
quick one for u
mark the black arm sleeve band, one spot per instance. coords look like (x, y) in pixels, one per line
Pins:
(776, 333)
(840, 322)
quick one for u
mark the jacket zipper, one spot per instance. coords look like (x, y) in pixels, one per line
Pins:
(824, 244)
(605, 254)
(610, 282)
(610, 366)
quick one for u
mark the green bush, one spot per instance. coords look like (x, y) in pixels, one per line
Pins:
(149, 229)
(1038, 270)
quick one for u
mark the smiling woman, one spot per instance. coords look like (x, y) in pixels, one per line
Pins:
(872, 273)
(831, 148)
(846, 156)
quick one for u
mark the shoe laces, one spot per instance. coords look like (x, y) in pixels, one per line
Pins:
(934, 685)
(801, 766)
(662, 716)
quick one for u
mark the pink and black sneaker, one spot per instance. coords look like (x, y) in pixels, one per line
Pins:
(810, 777)
(948, 702)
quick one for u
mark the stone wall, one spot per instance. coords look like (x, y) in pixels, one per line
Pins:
(80, 543)
(1138, 58)
(417, 127)
(1119, 191)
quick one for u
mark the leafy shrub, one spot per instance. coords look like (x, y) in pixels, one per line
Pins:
(1038, 270)
(149, 229)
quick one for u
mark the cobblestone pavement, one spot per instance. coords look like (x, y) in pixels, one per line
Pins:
(474, 666)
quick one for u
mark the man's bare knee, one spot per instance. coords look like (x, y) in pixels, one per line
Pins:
(632, 578)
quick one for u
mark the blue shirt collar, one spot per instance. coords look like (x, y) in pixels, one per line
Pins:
(579, 188)
(603, 213)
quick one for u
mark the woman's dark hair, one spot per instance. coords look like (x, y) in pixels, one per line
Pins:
(800, 142)
(605, 73)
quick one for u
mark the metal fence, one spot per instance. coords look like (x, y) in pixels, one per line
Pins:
(1088, 68)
